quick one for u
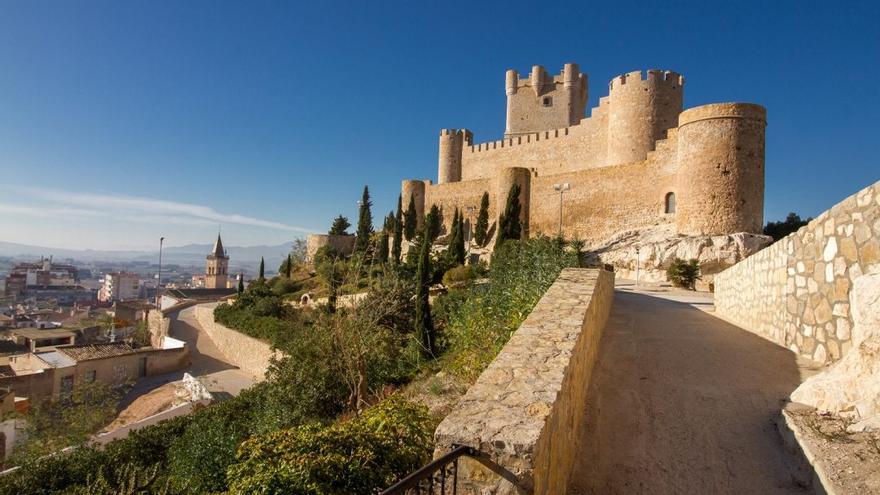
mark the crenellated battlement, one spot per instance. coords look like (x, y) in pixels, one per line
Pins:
(540, 81)
(519, 140)
(651, 77)
(466, 135)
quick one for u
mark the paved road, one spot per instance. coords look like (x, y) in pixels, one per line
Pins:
(208, 363)
(682, 402)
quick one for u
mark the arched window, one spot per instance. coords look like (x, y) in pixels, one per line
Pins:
(670, 202)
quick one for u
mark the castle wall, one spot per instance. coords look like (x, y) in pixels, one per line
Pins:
(607, 200)
(461, 195)
(548, 152)
(796, 292)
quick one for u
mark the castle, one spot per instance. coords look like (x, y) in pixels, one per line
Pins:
(638, 161)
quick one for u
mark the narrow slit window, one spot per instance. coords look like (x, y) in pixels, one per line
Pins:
(548, 101)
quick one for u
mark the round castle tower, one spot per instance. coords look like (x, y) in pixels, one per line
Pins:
(505, 180)
(416, 190)
(720, 179)
(452, 142)
(641, 111)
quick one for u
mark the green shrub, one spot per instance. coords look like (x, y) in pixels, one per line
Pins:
(477, 322)
(684, 273)
(362, 455)
(459, 274)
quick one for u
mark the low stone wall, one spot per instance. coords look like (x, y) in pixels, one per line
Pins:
(526, 407)
(343, 244)
(796, 292)
(250, 354)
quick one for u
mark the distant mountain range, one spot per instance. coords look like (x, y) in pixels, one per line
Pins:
(191, 254)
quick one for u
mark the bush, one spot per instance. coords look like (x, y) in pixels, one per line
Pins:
(477, 322)
(684, 273)
(459, 274)
(261, 313)
(362, 455)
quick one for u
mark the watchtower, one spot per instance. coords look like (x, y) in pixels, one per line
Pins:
(542, 102)
(217, 267)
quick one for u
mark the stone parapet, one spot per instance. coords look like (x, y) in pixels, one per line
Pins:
(523, 412)
(797, 291)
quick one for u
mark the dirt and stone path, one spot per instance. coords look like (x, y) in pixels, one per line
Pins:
(682, 402)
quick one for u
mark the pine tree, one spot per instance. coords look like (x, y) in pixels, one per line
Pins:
(424, 325)
(411, 221)
(398, 233)
(240, 283)
(365, 223)
(510, 225)
(482, 227)
(262, 269)
(340, 226)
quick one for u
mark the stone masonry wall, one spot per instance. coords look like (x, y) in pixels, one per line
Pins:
(249, 354)
(796, 292)
(524, 410)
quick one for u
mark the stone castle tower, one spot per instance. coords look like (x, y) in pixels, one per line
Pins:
(638, 161)
(217, 267)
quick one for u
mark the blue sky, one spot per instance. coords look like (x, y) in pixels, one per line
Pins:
(124, 121)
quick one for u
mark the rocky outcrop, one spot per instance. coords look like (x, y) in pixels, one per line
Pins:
(653, 250)
(851, 387)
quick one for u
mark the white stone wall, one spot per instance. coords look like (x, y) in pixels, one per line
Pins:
(526, 407)
(796, 292)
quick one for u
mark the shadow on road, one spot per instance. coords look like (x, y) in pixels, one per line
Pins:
(682, 402)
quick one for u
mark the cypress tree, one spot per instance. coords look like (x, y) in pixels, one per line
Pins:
(424, 325)
(365, 223)
(482, 227)
(382, 254)
(509, 225)
(398, 233)
(456, 239)
(434, 221)
(262, 269)
(411, 221)
(240, 283)
(289, 268)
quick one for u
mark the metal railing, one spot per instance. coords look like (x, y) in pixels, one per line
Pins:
(435, 477)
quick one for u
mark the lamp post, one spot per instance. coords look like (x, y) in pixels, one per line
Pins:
(159, 279)
(638, 262)
(561, 188)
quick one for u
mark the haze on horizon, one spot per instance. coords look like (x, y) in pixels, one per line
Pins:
(123, 122)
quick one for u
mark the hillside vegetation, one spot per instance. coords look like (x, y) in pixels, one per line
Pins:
(328, 418)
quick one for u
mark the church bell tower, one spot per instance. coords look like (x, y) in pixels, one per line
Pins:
(217, 267)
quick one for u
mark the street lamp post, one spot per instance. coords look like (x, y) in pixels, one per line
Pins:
(159, 279)
(638, 262)
(561, 188)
